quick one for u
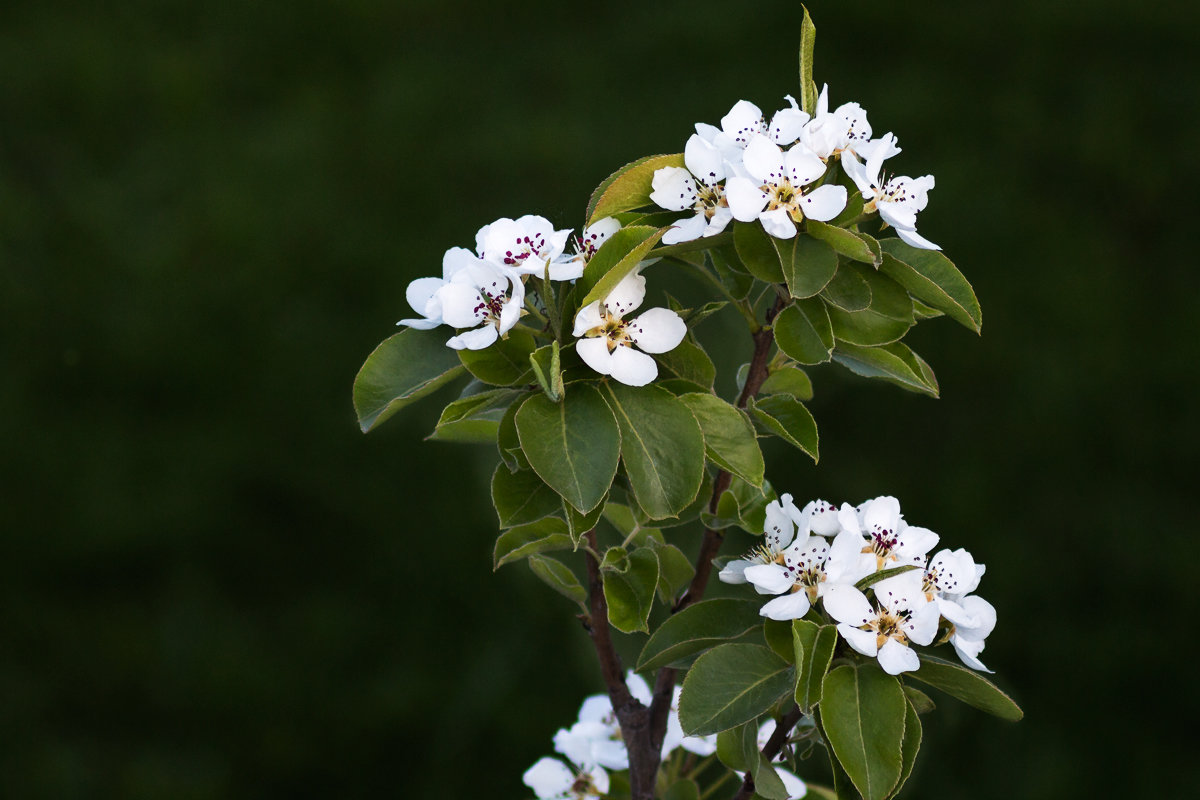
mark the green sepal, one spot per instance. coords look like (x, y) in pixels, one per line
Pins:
(405, 367)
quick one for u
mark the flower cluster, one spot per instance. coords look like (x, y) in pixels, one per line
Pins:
(826, 553)
(778, 173)
(593, 745)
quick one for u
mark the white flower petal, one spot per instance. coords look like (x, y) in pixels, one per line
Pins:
(704, 160)
(549, 777)
(588, 318)
(789, 606)
(674, 189)
(745, 199)
(626, 295)
(770, 578)
(849, 605)
(896, 658)
(764, 160)
(686, 230)
(862, 641)
(477, 339)
(923, 625)
(778, 223)
(824, 203)
(631, 367)
(803, 166)
(735, 571)
(743, 122)
(916, 240)
(657, 330)
(594, 352)
(462, 305)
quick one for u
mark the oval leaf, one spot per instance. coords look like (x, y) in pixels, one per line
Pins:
(803, 332)
(895, 363)
(558, 577)
(573, 446)
(808, 264)
(968, 686)
(504, 363)
(755, 251)
(848, 291)
(630, 592)
(787, 418)
(730, 685)
(404, 367)
(729, 439)
(848, 243)
(862, 710)
(930, 276)
(629, 187)
(661, 446)
(696, 628)
(788, 380)
(522, 497)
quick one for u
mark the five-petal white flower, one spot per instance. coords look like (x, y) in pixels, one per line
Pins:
(772, 188)
(481, 297)
(968, 639)
(779, 530)
(884, 633)
(897, 199)
(829, 134)
(698, 187)
(524, 246)
(551, 779)
(890, 541)
(422, 294)
(607, 339)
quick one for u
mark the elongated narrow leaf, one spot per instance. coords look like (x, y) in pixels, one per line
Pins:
(814, 645)
(968, 686)
(756, 252)
(629, 187)
(930, 276)
(895, 363)
(803, 332)
(543, 536)
(729, 439)
(910, 745)
(558, 577)
(808, 264)
(504, 363)
(863, 710)
(662, 447)
(848, 291)
(603, 278)
(403, 368)
(731, 685)
(922, 702)
(522, 497)
(788, 380)
(848, 243)
(630, 594)
(547, 370)
(875, 577)
(787, 418)
(808, 88)
(574, 446)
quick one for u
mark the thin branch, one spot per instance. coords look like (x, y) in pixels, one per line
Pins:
(783, 729)
(597, 625)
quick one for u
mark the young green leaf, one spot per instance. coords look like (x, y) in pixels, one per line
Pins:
(558, 577)
(786, 417)
(737, 748)
(573, 446)
(521, 497)
(662, 447)
(629, 187)
(730, 685)
(543, 536)
(729, 439)
(803, 332)
(814, 645)
(675, 571)
(756, 252)
(547, 369)
(930, 276)
(630, 594)
(615, 259)
(405, 367)
(808, 264)
(808, 87)
(579, 524)
(863, 710)
(473, 419)
(968, 686)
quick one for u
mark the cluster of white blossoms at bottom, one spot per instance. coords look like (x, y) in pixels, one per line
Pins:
(820, 552)
(594, 745)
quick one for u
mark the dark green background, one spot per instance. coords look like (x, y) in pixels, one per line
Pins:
(213, 586)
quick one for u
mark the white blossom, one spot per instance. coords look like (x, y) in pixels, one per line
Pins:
(772, 188)
(570, 268)
(950, 576)
(482, 298)
(897, 199)
(889, 540)
(829, 134)
(607, 340)
(968, 639)
(697, 188)
(524, 246)
(745, 121)
(779, 530)
(551, 779)
(903, 615)
(422, 293)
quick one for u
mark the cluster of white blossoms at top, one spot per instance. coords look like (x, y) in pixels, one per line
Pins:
(594, 745)
(820, 552)
(750, 169)
(482, 293)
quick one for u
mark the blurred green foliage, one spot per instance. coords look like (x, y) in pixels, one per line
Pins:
(214, 586)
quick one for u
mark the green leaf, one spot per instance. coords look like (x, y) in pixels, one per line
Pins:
(573, 446)
(968, 686)
(767, 783)
(473, 419)
(558, 577)
(547, 369)
(507, 441)
(886, 320)
(883, 574)
(521, 497)
(741, 504)
(737, 748)
(808, 264)
(404, 367)
(852, 211)
(922, 311)
(730, 685)
(630, 594)
(848, 291)
(579, 524)
(661, 446)
(895, 363)
(814, 645)
(930, 276)
(729, 439)
(543, 536)
(615, 259)
(629, 187)
(863, 710)
(922, 702)
(808, 87)
(684, 789)
(731, 271)
(787, 418)
(756, 252)
(779, 638)
(505, 362)
(675, 571)
(689, 361)
(698, 627)
(848, 243)
(910, 745)
(803, 332)
(788, 380)
(695, 316)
